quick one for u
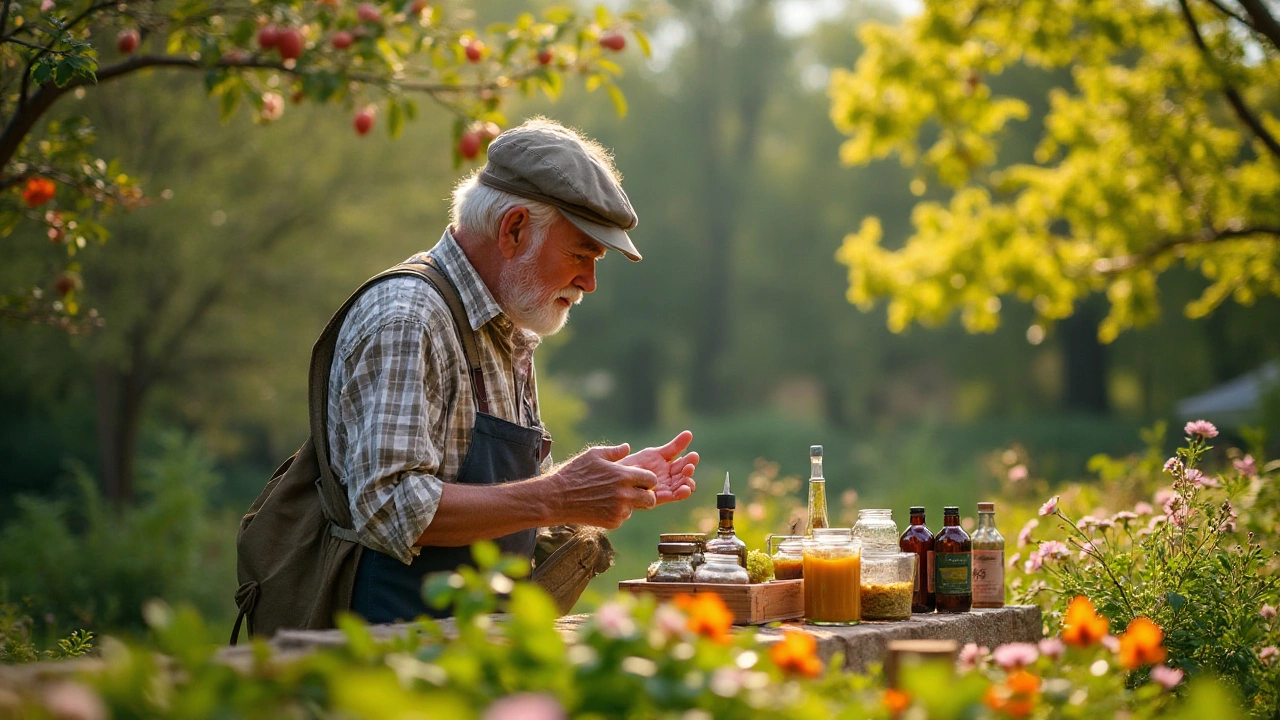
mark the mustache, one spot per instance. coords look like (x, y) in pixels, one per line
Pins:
(572, 294)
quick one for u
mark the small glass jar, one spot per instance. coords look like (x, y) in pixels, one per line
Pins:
(888, 580)
(697, 538)
(877, 530)
(674, 564)
(832, 572)
(721, 568)
(787, 553)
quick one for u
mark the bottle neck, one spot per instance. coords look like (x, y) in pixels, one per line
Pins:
(726, 521)
(951, 520)
(986, 519)
(815, 468)
(917, 518)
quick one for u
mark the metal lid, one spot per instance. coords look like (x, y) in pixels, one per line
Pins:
(689, 537)
(677, 548)
(815, 451)
(917, 509)
(951, 510)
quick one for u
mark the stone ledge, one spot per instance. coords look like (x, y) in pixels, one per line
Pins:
(862, 645)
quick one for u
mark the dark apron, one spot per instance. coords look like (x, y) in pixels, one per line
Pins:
(386, 590)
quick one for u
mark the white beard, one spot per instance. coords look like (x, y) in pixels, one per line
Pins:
(530, 306)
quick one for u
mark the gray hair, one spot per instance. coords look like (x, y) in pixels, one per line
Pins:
(478, 208)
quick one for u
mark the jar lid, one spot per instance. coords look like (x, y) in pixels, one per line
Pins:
(677, 548)
(688, 537)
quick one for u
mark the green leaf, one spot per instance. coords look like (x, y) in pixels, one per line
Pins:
(593, 82)
(410, 109)
(395, 119)
(559, 15)
(228, 104)
(602, 16)
(498, 29)
(553, 84)
(609, 66)
(43, 71)
(619, 100)
(1176, 601)
(486, 554)
(642, 40)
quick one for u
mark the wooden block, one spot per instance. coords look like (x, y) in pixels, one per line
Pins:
(753, 604)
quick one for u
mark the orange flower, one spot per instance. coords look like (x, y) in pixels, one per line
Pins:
(1083, 626)
(1016, 697)
(1141, 644)
(39, 191)
(708, 615)
(797, 653)
(896, 700)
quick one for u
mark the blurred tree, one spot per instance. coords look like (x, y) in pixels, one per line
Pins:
(1163, 152)
(54, 185)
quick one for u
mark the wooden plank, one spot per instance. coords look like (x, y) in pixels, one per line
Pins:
(753, 604)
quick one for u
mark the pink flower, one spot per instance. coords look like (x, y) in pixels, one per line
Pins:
(1052, 648)
(1054, 549)
(1034, 562)
(669, 621)
(1201, 429)
(1267, 653)
(1013, 655)
(1017, 473)
(1143, 508)
(1164, 495)
(46, 6)
(1194, 476)
(1124, 517)
(614, 621)
(1013, 561)
(1024, 536)
(1087, 549)
(1086, 522)
(1165, 676)
(1246, 466)
(525, 706)
(1267, 611)
(272, 106)
(1050, 507)
(1172, 465)
(1156, 521)
(970, 654)
(74, 701)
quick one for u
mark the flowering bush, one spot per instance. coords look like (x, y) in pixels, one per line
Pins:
(1191, 562)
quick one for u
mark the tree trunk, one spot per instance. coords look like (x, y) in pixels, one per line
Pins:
(118, 417)
(1084, 362)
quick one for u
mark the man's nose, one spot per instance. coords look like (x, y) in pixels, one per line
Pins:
(586, 280)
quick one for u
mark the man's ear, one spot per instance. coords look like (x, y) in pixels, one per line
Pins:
(513, 233)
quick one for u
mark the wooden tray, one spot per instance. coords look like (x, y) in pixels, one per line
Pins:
(751, 604)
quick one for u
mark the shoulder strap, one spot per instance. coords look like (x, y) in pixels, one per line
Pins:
(333, 499)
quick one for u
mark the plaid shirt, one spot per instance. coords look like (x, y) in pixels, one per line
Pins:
(401, 406)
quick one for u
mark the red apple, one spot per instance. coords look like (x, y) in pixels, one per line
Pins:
(613, 41)
(545, 56)
(469, 145)
(475, 50)
(127, 41)
(489, 131)
(268, 36)
(342, 39)
(290, 43)
(364, 121)
(368, 12)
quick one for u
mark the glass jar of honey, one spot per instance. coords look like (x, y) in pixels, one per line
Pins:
(832, 570)
(787, 553)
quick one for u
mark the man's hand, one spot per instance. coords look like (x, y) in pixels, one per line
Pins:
(595, 488)
(673, 470)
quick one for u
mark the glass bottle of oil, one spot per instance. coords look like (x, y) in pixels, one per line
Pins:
(726, 541)
(988, 560)
(817, 492)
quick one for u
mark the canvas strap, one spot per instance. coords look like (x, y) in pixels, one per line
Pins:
(333, 497)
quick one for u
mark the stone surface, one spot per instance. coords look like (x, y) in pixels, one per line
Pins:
(862, 644)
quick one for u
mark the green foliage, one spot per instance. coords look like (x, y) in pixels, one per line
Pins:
(373, 59)
(1159, 152)
(17, 645)
(1204, 569)
(86, 564)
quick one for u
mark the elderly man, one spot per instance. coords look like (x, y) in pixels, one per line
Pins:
(433, 422)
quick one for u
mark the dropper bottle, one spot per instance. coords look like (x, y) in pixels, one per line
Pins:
(726, 541)
(817, 492)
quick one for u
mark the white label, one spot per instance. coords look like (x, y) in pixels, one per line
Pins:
(988, 577)
(932, 572)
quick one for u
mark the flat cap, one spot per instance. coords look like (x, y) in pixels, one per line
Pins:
(541, 160)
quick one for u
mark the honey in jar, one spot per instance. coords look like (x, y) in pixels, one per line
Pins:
(832, 577)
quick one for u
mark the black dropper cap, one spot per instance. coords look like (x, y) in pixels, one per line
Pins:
(951, 510)
(917, 510)
(726, 500)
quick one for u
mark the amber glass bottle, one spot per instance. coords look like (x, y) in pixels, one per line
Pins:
(918, 539)
(953, 565)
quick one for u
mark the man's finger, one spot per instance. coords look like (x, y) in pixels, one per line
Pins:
(614, 453)
(642, 478)
(676, 446)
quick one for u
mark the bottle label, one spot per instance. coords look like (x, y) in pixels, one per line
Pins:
(988, 577)
(954, 573)
(932, 572)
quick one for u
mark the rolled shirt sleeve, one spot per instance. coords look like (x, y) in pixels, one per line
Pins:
(392, 424)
